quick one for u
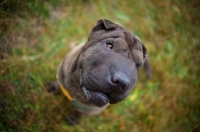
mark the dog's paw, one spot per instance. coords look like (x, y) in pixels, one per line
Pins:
(53, 88)
(73, 118)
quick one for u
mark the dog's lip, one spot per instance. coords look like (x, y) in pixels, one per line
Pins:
(99, 99)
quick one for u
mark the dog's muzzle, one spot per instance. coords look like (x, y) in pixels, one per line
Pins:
(100, 99)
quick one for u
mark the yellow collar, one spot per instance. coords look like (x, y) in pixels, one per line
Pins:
(65, 92)
(76, 104)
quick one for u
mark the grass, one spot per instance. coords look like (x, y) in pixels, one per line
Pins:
(36, 35)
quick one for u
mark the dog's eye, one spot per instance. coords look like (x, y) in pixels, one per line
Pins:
(109, 45)
(138, 65)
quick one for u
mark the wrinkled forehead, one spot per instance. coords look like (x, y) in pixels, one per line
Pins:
(100, 35)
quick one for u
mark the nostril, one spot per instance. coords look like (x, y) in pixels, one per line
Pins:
(115, 81)
(120, 80)
(124, 87)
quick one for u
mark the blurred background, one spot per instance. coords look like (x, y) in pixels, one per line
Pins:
(36, 34)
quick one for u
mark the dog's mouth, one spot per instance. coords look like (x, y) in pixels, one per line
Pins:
(100, 99)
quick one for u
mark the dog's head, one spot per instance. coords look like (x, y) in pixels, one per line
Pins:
(110, 61)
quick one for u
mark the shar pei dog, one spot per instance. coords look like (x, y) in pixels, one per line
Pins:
(103, 71)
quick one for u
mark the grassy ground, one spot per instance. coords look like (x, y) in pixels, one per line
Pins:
(36, 35)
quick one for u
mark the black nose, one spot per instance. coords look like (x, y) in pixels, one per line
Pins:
(120, 80)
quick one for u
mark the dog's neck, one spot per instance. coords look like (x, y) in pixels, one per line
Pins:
(71, 69)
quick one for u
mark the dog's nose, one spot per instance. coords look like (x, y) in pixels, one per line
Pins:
(120, 80)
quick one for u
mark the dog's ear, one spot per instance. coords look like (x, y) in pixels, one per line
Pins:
(144, 51)
(105, 25)
(147, 64)
(102, 26)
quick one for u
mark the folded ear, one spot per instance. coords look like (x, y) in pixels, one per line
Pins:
(102, 26)
(144, 51)
(105, 24)
(147, 68)
(147, 64)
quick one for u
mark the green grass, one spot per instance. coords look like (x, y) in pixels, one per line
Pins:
(36, 35)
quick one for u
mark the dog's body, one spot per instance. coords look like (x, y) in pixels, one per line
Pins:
(104, 70)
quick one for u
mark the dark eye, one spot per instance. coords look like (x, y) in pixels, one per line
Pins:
(138, 65)
(109, 45)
